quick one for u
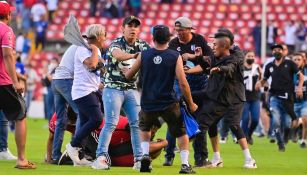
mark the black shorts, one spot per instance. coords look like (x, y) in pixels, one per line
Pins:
(11, 103)
(171, 116)
(234, 114)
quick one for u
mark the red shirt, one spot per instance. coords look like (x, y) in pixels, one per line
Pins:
(7, 39)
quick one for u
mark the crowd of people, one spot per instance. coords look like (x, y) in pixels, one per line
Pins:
(221, 86)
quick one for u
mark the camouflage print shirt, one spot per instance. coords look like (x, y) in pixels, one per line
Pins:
(114, 77)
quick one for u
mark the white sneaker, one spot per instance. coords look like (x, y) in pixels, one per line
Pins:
(83, 162)
(217, 163)
(250, 164)
(73, 153)
(223, 140)
(137, 165)
(7, 155)
(101, 163)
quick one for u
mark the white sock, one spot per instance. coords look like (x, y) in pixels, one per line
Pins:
(247, 154)
(184, 154)
(216, 156)
(145, 147)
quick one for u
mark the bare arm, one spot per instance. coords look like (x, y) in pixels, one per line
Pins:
(9, 62)
(194, 70)
(184, 86)
(299, 91)
(122, 56)
(134, 69)
(91, 62)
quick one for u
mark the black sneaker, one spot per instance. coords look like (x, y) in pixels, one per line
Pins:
(65, 159)
(281, 148)
(203, 164)
(168, 161)
(186, 169)
(303, 145)
(250, 140)
(145, 163)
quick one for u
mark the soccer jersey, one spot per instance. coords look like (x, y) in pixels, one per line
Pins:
(7, 39)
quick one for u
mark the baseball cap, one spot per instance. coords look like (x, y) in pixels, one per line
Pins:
(224, 32)
(130, 19)
(276, 45)
(6, 8)
(184, 22)
(161, 33)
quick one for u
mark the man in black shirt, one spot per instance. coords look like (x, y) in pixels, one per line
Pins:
(223, 95)
(185, 43)
(159, 66)
(281, 91)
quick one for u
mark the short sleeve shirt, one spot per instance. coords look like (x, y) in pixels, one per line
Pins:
(7, 39)
(85, 82)
(282, 77)
(114, 77)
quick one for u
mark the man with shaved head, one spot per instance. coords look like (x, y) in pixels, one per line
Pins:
(224, 95)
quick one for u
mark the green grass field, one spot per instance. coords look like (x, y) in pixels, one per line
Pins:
(269, 160)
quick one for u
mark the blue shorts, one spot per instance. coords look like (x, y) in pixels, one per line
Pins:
(300, 109)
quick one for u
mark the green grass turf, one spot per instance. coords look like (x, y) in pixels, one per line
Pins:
(269, 160)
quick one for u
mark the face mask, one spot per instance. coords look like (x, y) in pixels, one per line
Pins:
(250, 61)
(277, 55)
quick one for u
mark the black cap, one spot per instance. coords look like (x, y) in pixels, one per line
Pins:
(161, 33)
(276, 45)
(130, 19)
(224, 32)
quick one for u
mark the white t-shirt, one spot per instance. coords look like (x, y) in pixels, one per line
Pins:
(52, 5)
(84, 82)
(66, 67)
(37, 11)
(290, 36)
(19, 43)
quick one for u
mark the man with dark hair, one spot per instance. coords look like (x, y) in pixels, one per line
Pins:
(281, 70)
(223, 95)
(120, 93)
(159, 66)
(185, 43)
(13, 106)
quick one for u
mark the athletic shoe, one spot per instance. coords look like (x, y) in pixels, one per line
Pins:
(7, 155)
(83, 162)
(303, 145)
(168, 161)
(217, 163)
(73, 153)
(203, 164)
(137, 165)
(101, 163)
(281, 148)
(250, 164)
(65, 159)
(186, 169)
(145, 163)
(223, 140)
(250, 140)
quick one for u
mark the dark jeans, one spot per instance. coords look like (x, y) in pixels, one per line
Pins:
(90, 117)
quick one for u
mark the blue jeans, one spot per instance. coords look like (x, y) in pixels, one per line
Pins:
(50, 103)
(62, 97)
(250, 115)
(113, 101)
(29, 97)
(3, 132)
(281, 120)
